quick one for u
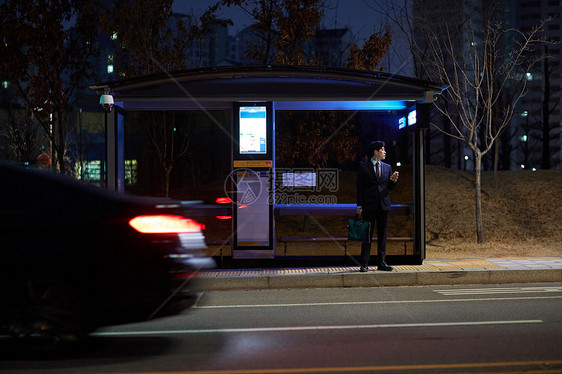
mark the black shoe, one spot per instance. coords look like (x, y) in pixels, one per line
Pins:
(384, 267)
(363, 269)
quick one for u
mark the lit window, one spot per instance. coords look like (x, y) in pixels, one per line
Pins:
(523, 138)
(114, 36)
(5, 84)
(131, 172)
(110, 59)
(109, 69)
(529, 76)
(89, 170)
(525, 113)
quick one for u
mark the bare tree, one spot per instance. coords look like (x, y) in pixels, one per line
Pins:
(163, 48)
(280, 28)
(317, 139)
(22, 136)
(401, 16)
(170, 141)
(405, 49)
(47, 51)
(485, 84)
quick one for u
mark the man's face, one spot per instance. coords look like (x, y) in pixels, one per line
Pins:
(380, 154)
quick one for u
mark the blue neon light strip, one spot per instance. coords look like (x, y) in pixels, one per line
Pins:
(341, 105)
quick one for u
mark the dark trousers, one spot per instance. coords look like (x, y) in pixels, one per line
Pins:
(380, 218)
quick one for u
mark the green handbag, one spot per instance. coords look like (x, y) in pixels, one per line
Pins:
(359, 231)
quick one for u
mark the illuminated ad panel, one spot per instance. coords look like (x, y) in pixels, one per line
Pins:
(253, 130)
(253, 180)
(252, 210)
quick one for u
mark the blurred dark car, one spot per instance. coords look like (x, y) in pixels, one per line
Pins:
(76, 257)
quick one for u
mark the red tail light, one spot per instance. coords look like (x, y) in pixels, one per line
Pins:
(164, 224)
(223, 200)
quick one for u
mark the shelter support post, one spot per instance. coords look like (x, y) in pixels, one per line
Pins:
(419, 195)
(115, 150)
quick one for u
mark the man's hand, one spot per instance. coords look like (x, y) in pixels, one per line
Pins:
(394, 177)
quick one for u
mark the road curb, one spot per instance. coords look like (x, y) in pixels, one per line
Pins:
(377, 279)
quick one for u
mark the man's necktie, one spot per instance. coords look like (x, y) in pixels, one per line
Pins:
(378, 169)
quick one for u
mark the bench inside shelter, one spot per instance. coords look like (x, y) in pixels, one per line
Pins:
(335, 210)
(324, 210)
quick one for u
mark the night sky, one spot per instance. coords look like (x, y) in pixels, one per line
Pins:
(353, 13)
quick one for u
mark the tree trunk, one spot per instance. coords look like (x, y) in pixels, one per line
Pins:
(496, 163)
(478, 196)
(60, 147)
(167, 181)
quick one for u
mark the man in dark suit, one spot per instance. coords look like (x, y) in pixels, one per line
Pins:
(374, 180)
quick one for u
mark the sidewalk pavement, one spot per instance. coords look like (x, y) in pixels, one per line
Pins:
(431, 272)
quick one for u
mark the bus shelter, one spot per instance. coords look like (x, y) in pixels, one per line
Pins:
(254, 94)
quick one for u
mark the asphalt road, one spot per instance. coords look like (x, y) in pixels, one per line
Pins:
(461, 329)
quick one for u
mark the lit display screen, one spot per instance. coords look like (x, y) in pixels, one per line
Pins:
(253, 130)
(412, 118)
(299, 179)
(402, 123)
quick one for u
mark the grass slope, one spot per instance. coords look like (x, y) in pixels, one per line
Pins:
(522, 214)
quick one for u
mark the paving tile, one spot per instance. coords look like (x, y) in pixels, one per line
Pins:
(439, 264)
(476, 264)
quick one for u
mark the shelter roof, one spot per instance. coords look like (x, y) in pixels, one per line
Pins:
(291, 87)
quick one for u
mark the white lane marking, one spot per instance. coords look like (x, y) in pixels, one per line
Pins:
(371, 302)
(494, 291)
(314, 328)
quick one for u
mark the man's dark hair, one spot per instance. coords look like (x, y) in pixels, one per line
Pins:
(375, 146)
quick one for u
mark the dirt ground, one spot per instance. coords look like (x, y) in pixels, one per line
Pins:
(522, 216)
